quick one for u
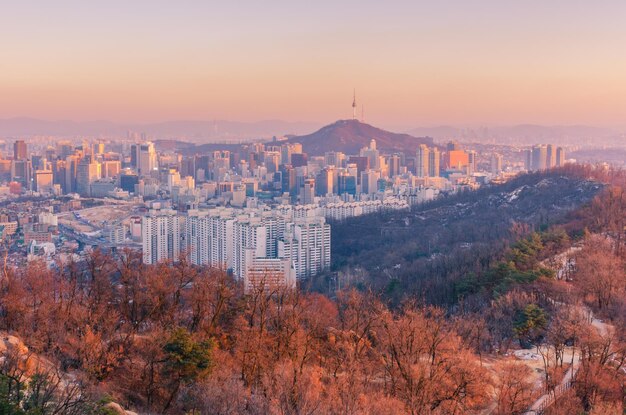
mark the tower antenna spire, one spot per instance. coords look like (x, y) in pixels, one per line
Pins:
(354, 104)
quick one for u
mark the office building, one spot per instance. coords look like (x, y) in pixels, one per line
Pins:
(422, 158)
(146, 158)
(87, 172)
(560, 156)
(307, 191)
(20, 151)
(433, 162)
(21, 172)
(496, 164)
(369, 181)
(44, 182)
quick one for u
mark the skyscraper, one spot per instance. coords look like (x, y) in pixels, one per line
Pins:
(21, 172)
(471, 162)
(43, 181)
(550, 156)
(394, 165)
(325, 182)
(369, 181)
(496, 163)
(87, 172)
(372, 154)
(560, 156)
(539, 158)
(146, 158)
(307, 191)
(20, 151)
(433, 162)
(422, 159)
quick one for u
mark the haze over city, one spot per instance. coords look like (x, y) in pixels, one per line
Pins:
(412, 63)
(322, 208)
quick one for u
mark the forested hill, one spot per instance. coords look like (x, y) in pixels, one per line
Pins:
(425, 252)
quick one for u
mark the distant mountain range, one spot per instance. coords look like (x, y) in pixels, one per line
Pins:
(349, 136)
(521, 134)
(190, 130)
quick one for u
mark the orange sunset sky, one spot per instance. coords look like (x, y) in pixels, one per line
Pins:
(412, 63)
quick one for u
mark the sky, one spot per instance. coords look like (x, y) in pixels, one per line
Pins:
(412, 63)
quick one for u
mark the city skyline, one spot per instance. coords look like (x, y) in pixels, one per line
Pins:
(411, 64)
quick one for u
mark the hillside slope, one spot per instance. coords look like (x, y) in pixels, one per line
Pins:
(427, 249)
(349, 136)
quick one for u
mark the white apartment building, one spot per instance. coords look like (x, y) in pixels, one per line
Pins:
(289, 240)
(270, 273)
(210, 238)
(161, 236)
(343, 210)
(250, 234)
(306, 244)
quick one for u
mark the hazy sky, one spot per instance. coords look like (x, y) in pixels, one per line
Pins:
(412, 63)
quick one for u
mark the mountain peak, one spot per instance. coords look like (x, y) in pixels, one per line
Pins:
(349, 136)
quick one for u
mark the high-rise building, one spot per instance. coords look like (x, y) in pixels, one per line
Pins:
(98, 148)
(361, 163)
(160, 232)
(496, 164)
(87, 172)
(128, 182)
(71, 170)
(267, 274)
(111, 168)
(394, 165)
(325, 182)
(433, 162)
(560, 156)
(249, 233)
(59, 173)
(20, 151)
(369, 181)
(453, 146)
(471, 162)
(539, 158)
(44, 182)
(306, 245)
(238, 241)
(456, 159)
(299, 159)
(347, 184)
(21, 172)
(209, 237)
(550, 156)
(134, 151)
(288, 180)
(334, 158)
(307, 191)
(64, 149)
(146, 158)
(173, 179)
(422, 158)
(272, 161)
(372, 154)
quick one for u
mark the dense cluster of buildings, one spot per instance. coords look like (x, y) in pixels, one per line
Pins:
(259, 211)
(545, 156)
(294, 241)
